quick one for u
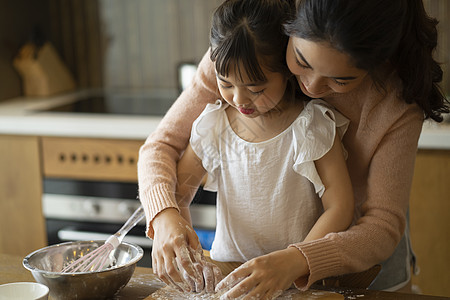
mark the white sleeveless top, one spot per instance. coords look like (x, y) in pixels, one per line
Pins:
(267, 192)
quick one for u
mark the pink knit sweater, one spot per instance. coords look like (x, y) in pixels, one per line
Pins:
(381, 142)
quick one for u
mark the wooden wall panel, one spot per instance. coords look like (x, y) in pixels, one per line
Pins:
(17, 20)
(134, 44)
(440, 9)
(76, 33)
(137, 44)
(149, 38)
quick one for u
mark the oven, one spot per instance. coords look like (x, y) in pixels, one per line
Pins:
(93, 210)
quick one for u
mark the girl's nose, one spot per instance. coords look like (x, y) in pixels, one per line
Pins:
(239, 98)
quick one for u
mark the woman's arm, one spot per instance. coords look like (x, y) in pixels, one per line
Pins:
(162, 149)
(381, 194)
(337, 200)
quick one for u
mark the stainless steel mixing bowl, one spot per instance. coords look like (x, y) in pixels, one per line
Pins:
(46, 264)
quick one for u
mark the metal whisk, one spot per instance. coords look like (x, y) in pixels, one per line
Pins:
(99, 258)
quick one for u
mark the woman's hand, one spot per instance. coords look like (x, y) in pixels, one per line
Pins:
(265, 277)
(211, 274)
(176, 252)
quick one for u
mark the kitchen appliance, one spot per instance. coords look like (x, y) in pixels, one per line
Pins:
(115, 102)
(78, 210)
(154, 102)
(186, 72)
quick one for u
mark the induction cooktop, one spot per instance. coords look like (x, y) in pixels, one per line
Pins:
(117, 105)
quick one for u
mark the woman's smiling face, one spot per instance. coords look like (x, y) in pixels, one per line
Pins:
(320, 69)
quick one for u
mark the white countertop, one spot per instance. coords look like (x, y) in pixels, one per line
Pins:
(19, 116)
(435, 135)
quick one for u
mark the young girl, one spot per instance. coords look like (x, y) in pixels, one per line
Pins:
(274, 157)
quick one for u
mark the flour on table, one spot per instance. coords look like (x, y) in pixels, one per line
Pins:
(169, 293)
(145, 279)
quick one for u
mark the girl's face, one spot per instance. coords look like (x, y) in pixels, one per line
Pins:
(320, 69)
(250, 98)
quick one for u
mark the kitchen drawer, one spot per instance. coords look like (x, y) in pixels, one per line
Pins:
(90, 159)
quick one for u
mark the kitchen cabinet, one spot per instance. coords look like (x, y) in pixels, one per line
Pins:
(430, 221)
(21, 221)
(26, 160)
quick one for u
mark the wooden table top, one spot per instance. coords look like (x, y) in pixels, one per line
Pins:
(144, 282)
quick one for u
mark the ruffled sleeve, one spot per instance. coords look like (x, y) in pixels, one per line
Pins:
(314, 132)
(204, 141)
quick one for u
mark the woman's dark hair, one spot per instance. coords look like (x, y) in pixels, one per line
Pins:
(250, 32)
(373, 32)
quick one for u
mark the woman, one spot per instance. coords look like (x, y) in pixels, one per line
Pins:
(371, 60)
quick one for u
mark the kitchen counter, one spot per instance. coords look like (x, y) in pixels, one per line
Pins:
(21, 116)
(24, 116)
(435, 135)
(143, 283)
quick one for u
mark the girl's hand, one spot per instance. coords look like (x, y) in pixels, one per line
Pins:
(264, 277)
(175, 253)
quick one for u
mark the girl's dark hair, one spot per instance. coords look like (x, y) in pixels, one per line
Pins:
(373, 32)
(250, 32)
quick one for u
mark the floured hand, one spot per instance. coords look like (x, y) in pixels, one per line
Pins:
(172, 255)
(264, 277)
(211, 274)
(177, 256)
